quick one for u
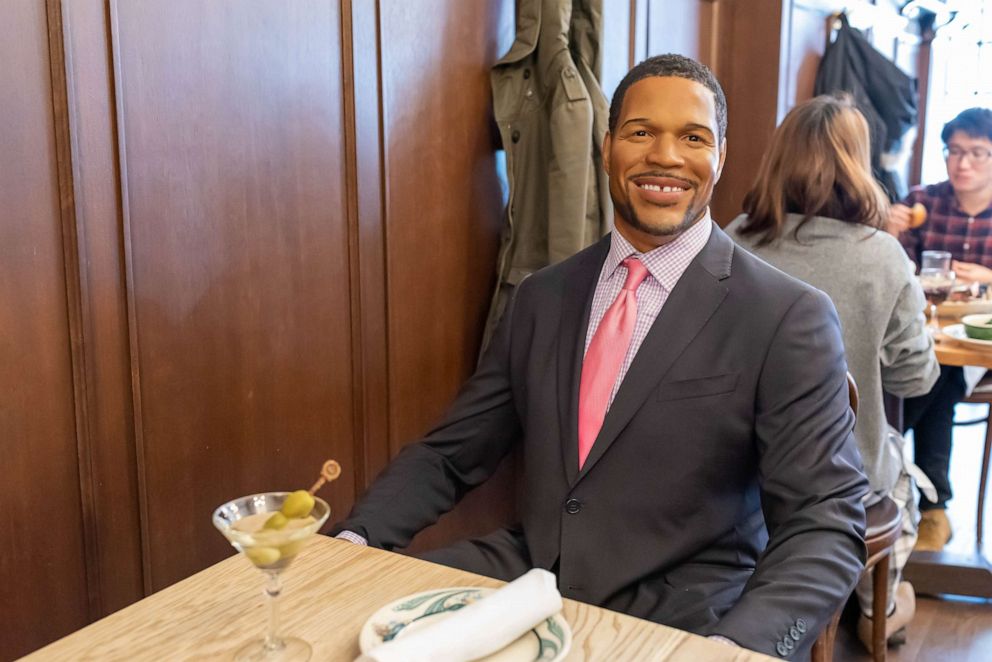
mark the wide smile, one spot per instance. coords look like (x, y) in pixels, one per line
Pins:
(662, 191)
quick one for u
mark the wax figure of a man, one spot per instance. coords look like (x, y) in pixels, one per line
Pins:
(681, 409)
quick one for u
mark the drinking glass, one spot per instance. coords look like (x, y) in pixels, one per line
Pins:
(935, 260)
(937, 285)
(271, 551)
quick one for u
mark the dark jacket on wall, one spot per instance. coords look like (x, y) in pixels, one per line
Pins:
(552, 117)
(882, 91)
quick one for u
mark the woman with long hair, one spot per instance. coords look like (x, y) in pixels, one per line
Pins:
(815, 212)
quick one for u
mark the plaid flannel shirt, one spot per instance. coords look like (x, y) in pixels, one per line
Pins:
(966, 238)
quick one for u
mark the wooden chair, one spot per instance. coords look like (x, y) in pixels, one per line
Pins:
(982, 395)
(882, 529)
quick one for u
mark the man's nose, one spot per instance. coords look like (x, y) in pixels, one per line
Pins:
(665, 151)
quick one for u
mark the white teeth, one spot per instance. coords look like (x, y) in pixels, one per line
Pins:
(666, 189)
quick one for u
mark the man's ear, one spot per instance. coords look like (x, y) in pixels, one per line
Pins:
(723, 159)
(606, 152)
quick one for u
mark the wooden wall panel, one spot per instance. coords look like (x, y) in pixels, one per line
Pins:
(116, 561)
(749, 71)
(807, 39)
(685, 27)
(619, 29)
(41, 533)
(230, 124)
(443, 213)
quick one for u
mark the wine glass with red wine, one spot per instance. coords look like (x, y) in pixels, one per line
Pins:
(937, 284)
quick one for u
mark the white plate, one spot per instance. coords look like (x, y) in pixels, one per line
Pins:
(548, 642)
(956, 332)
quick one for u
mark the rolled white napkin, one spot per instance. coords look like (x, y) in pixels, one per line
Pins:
(479, 629)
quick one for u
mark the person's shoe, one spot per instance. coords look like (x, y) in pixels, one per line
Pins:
(934, 532)
(895, 624)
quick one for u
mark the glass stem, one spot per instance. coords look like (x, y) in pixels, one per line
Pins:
(933, 317)
(273, 588)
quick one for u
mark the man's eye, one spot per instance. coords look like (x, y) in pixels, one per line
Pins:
(640, 133)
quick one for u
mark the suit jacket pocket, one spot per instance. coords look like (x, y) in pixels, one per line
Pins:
(697, 388)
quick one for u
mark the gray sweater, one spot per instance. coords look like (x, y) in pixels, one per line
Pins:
(880, 303)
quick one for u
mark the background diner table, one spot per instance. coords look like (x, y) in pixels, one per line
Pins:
(944, 572)
(328, 593)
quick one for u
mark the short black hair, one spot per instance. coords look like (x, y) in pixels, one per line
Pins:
(976, 122)
(678, 66)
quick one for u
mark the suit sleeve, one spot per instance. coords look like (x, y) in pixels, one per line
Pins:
(812, 484)
(429, 477)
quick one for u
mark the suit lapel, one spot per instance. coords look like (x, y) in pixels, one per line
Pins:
(690, 305)
(578, 286)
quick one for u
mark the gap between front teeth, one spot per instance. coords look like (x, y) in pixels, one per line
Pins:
(663, 189)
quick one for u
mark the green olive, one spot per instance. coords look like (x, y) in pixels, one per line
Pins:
(297, 504)
(291, 549)
(263, 556)
(277, 521)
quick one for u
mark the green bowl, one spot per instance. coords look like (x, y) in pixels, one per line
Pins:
(978, 327)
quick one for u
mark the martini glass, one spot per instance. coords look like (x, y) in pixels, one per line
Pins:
(271, 551)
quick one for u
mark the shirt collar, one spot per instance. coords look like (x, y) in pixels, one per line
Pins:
(667, 263)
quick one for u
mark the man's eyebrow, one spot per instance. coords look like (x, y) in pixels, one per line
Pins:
(698, 127)
(636, 120)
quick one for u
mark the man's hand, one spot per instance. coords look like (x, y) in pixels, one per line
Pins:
(900, 218)
(969, 272)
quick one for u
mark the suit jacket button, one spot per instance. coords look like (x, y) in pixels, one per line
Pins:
(515, 136)
(795, 633)
(781, 649)
(789, 644)
(573, 506)
(801, 625)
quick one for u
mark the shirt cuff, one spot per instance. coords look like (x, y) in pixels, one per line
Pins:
(352, 537)
(722, 640)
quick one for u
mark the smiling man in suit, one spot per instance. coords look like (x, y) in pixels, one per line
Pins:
(681, 409)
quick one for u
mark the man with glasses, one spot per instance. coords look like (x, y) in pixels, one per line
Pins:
(959, 221)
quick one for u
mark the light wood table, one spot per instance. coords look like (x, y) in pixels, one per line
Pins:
(951, 352)
(935, 573)
(329, 592)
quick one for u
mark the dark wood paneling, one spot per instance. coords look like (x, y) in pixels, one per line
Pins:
(105, 379)
(365, 190)
(42, 548)
(443, 215)
(237, 254)
(748, 69)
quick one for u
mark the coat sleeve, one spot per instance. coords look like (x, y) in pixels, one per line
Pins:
(812, 484)
(909, 365)
(429, 477)
(568, 175)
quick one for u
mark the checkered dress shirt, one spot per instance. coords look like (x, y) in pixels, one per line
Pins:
(967, 238)
(665, 265)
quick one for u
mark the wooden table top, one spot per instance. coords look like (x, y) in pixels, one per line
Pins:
(953, 352)
(949, 352)
(329, 592)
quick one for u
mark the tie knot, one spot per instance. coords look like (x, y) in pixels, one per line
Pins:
(636, 273)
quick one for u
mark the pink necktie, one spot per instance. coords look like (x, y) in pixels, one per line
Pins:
(605, 356)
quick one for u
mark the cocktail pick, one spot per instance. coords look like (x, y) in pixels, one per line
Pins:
(329, 472)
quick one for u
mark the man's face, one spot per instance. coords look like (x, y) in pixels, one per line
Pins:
(663, 159)
(967, 174)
